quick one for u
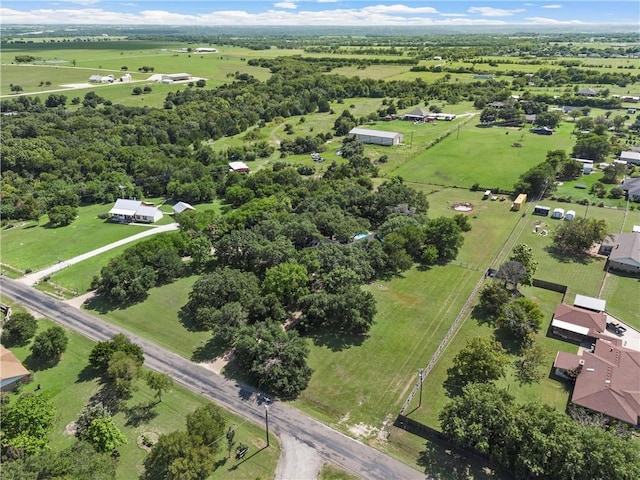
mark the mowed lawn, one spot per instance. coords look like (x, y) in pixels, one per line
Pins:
(484, 156)
(70, 385)
(157, 317)
(35, 246)
(548, 391)
(369, 380)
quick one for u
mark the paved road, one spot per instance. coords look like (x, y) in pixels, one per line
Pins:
(330, 444)
(33, 278)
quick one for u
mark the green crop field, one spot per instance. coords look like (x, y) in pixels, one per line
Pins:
(69, 387)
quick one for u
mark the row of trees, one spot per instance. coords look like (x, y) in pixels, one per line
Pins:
(535, 441)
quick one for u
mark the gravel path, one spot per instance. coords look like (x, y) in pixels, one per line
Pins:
(34, 277)
(297, 460)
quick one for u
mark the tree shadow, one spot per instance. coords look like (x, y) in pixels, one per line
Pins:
(102, 305)
(187, 321)
(87, 374)
(478, 314)
(214, 347)
(337, 342)
(505, 338)
(11, 341)
(441, 462)
(565, 257)
(140, 413)
(35, 364)
(109, 397)
(235, 467)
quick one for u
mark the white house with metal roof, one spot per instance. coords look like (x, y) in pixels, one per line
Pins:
(135, 211)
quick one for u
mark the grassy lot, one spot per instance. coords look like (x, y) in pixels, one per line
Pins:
(483, 155)
(77, 278)
(548, 391)
(69, 386)
(36, 245)
(331, 472)
(56, 66)
(157, 317)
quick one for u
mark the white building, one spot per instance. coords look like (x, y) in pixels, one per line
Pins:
(376, 137)
(135, 211)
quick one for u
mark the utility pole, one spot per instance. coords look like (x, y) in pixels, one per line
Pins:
(411, 142)
(420, 377)
(266, 422)
(122, 187)
(458, 135)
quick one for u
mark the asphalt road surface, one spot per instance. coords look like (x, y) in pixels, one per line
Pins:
(330, 444)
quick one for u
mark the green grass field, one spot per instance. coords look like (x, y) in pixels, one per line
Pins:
(483, 155)
(36, 246)
(69, 387)
(157, 317)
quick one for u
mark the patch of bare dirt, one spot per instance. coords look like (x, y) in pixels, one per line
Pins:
(147, 440)
(70, 428)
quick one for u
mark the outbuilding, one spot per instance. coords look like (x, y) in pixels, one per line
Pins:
(630, 157)
(570, 215)
(558, 213)
(175, 77)
(181, 207)
(376, 137)
(541, 210)
(239, 167)
(518, 202)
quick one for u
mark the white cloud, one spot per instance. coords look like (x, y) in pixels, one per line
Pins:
(494, 12)
(344, 17)
(83, 2)
(551, 6)
(327, 1)
(528, 4)
(454, 15)
(552, 21)
(398, 9)
(289, 5)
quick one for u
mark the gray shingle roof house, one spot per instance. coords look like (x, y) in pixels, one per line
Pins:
(631, 187)
(417, 114)
(588, 92)
(135, 211)
(623, 250)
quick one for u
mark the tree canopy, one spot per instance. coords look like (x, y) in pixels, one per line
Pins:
(578, 235)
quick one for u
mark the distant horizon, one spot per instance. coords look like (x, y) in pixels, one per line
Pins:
(329, 13)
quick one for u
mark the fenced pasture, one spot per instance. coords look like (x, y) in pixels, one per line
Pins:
(56, 65)
(482, 155)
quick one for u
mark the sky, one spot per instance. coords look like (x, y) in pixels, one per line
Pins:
(321, 12)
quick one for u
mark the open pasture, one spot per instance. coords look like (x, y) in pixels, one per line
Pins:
(74, 62)
(483, 155)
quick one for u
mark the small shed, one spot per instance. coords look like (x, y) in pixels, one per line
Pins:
(239, 167)
(518, 202)
(181, 207)
(570, 215)
(558, 213)
(630, 157)
(541, 210)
